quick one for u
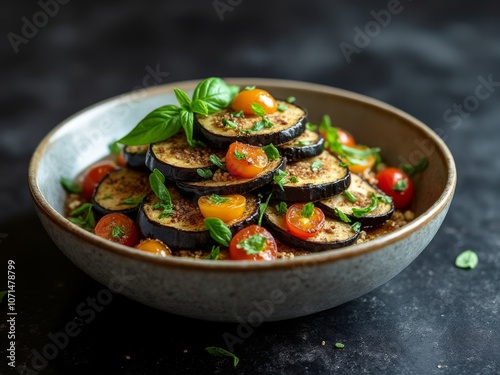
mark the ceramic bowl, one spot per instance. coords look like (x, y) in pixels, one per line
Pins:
(244, 291)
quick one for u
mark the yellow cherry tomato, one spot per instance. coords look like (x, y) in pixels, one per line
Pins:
(243, 101)
(154, 246)
(224, 207)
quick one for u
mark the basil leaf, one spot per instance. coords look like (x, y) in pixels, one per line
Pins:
(183, 99)
(350, 197)
(216, 93)
(214, 253)
(157, 182)
(307, 210)
(214, 350)
(217, 199)
(217, 162)
(187, 119)
(253, 244)
(160, 124)
(271, 152)
(257, 109)
(281, 179)
(361, 212)
(239, 114)
(204, 173)
(281, 208)
(311, 127)
(218, 230)
(282, 107)
(342, 216)
(199, 106)
(262, 210)
(316, 165)
(114, 148)
(356, 226)
(411, 169)
(467, 259)
(70, 186)
(229, 123)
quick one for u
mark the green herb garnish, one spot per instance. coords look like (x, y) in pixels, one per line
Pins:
(218, 230)
(401, 185)
(290, 99)
(210, 95)
(133, 201)
(114, 148)
(342, 216)
(467, 260)
(229, 123)
(281, 208)
(257, 109)
(349, 196)
(339, 345)
(282, 107)
(239, 114)
(385, 199)
(117, 232)
(281, 178)
(262, 209)
(217, 162)
(253, 244)
(83, 216)
(214, 253)
(217, 199)
(250, 87)
(315, 166)
(303, 143)
(271, 152)
(214, 350)
(157, 183)
(240, 155)
(311, 127)
(259, 125)
(70, 186)
(307, 210)
(361, 212)
(411, 169)
(204, 173)
(106, 197)
(356, 226)
(294, 179)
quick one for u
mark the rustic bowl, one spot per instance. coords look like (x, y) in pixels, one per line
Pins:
(244, 291)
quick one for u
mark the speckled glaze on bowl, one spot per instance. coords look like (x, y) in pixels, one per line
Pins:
(245, 291)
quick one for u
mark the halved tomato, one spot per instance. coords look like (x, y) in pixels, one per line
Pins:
(245, 160)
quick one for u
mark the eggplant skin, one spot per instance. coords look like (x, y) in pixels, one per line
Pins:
(328, 240)
(362, 189)
(135, 156)
(293, 152)
(259, 138)
(197, 238)
(234, 185)
(311, 193)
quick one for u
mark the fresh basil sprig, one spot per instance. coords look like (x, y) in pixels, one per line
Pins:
(70, 186)
(253, 244)
(218, 230)
(83, 216)
(157, 182)
(271, 151)
(211, 95)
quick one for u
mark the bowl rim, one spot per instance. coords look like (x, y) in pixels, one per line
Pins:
(237, 266)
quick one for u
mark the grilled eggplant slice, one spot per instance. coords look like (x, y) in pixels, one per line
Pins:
(307, 145)
(334, 234)
(135, 156)
(178, 161)
(313, 179)
(222, 128)
(223, 183)
(185, 228)
(122, 190)
(363, 191)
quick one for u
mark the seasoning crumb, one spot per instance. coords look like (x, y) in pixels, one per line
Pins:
(185, 351)
(409, 215)
(127, 357)
(323, 343)
(441, 366)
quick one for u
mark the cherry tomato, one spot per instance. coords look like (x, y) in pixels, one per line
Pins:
(304, 227)
(118, 228)
(243, 101)
(121, 160)
(344, 137)
(154, 246)
(245, 160)
(396, 184)
(361, 163)
(94, 176)
(224, 207)
(255, 236)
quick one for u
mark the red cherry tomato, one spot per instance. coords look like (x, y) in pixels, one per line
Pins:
(118, 228)
(396, 184)
(253, 243)
(243, 101)
(346, 138)
(304, 227)
(94, 176)
(245, 160)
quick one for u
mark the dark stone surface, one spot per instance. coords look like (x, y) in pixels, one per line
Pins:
(431, 319)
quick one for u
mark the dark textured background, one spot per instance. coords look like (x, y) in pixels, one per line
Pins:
(431, 319)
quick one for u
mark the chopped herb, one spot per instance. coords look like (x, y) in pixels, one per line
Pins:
(83, 216)
(307, 210)
(217, 162)
(157, 182)
(467, 259)
(214, 253)
(281, 208)
(311, 127)
(106, 197)
(316, 165)
(117, 232)
(401, 185)
(290, 99)
(217, 199)
(294, 179)
(281, 178)
(342, 216)
(339, 345)
(70, 186)
(253, 244)
(271, 152)
(356, 226)
(218, 230)
(114, 148)
(167, 209)
(282, 107)
(133, 201)
(257, 109)
(361, 212)
(411, 169)
(239, 114)
(240, 155)
(385, 199)
(349, 196)
(303, 143)
(229, 123)
(250, 87)
(204, 173)
(214, 350)
(259, 125)
(262, 209)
